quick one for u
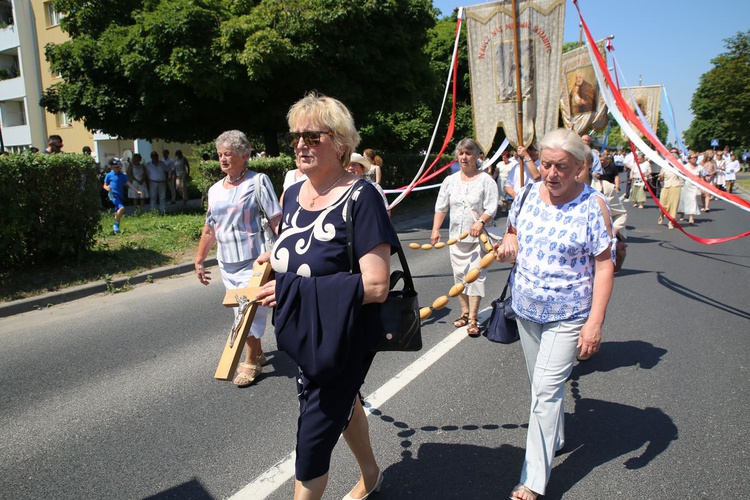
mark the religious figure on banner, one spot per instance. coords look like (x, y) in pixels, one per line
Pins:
(505, 70)
(582, 94)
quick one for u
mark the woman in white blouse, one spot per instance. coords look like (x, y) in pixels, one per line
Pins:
(470, 196)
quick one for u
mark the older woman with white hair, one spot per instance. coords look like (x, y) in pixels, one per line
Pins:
(232, 221)
(470, 195)
(562, 241)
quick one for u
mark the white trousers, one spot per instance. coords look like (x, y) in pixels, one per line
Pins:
(550, 351)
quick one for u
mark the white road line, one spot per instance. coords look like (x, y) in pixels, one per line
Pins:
(268, 482)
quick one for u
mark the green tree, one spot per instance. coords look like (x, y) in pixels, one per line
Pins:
(411, 130)
(721, 104)
(185, 70)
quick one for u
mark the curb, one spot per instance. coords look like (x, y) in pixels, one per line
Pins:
(93, 288)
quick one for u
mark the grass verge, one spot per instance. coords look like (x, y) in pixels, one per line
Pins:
(147, 241)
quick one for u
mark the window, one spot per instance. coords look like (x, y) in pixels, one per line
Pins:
(63, 120)
(13, 113)
(53, 18)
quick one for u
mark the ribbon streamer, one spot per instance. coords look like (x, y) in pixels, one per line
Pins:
(452, 76)
(623, 114)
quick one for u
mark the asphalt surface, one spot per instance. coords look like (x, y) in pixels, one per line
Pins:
(112, 396)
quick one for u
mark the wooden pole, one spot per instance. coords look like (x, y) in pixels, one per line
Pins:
(519, 94)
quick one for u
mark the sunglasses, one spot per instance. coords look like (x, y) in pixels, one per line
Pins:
(311, 137)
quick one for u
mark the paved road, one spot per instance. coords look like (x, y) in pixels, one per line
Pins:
(112, 396)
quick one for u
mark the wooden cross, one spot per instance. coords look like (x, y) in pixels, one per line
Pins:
(245, 299)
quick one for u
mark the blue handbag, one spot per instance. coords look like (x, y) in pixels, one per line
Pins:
(502, 326)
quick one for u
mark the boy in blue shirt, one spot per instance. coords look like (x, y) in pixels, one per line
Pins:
(115, 182)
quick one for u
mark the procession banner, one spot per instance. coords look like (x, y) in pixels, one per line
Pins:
(581, 103)
(493, 70)
(648, 100)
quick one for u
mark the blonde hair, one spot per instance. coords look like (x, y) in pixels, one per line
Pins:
(327, 113)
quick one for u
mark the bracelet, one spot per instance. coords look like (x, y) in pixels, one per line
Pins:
(481, 221)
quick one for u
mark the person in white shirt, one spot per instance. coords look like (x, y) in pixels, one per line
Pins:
(530, 160)
(504, 167)
(171, 175)
(730, 171)
(638, 189)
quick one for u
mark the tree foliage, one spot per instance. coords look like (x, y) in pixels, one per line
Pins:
(185, 70)
(412, 129)
(721, 104)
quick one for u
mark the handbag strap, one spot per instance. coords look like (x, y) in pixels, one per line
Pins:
(258, 197)
(405, 274)
(520, 207)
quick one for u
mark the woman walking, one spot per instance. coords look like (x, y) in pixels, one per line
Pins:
(470, 196)
(563, 244)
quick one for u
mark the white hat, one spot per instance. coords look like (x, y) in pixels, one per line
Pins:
(358, 158)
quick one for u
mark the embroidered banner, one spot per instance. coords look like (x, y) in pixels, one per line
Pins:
(493, 69)
(581, 103)
(648, 99)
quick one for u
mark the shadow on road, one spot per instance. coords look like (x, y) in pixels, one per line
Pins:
(708, 255)
(192, 490)
(597, 432)
(699, 297)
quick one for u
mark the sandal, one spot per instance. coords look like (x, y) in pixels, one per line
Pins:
(524, 490)
(473, 328)
(462, 320)
(248, 376)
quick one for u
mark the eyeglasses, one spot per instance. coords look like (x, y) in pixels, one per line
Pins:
(311, 137)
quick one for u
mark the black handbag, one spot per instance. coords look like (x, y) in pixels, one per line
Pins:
(400, 311)
(502, 326)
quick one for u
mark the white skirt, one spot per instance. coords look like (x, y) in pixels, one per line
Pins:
(140, 186)
(688, 203)
(465, 256)
(237, 275)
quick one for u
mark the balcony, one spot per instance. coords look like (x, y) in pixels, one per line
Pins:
(12, 88)
(19, 135)
(8, 37)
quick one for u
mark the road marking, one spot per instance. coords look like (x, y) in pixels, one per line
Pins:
(271, 480)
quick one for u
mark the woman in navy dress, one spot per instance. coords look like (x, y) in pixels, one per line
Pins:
(315, 292)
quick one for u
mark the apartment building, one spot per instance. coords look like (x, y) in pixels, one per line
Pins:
(26, 27)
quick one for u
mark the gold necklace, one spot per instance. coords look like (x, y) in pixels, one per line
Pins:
(242, 174)
(313, 198)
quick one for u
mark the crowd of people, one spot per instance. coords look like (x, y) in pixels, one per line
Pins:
(565, 214)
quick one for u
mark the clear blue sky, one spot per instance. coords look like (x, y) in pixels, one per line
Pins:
(662, 42)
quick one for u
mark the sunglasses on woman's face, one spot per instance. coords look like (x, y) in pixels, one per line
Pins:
(311, 137)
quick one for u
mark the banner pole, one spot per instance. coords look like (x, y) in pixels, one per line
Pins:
(519, 94)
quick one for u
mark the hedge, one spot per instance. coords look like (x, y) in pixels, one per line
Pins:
(49, 206)
(207, 173)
